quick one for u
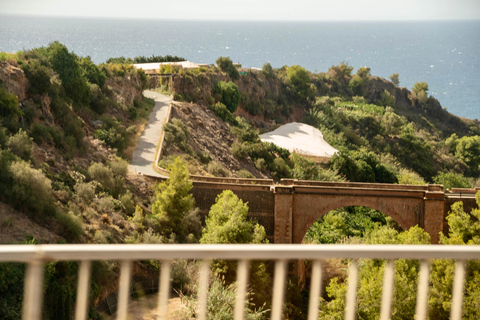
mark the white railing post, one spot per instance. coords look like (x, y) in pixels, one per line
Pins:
(422, 292)
(163, 295)
(351, 302)
(83, 287)
(203, 290)
(124, 290)
(278, 289)
(315, 290)
(33, 291)
(457, 292)
(387, 291)
(242, 281)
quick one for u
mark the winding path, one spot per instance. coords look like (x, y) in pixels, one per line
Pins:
(144, 156)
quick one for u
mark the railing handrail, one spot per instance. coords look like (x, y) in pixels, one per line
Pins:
(233, 251)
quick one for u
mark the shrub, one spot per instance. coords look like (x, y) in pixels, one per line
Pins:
(176, 133)
(226, 65)
(128, 203)
(102, 174)
(223, 113)
(215, 168)
(229, 94)
(85, 192)
(21, 145)
(67, 66)
(31, 187)
(244, 174)
(119, 167)
(38, 76)
(451, 180)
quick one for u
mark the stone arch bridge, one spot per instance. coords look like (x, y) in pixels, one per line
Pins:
(287, 210)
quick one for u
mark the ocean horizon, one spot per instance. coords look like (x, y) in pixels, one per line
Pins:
(443, 53)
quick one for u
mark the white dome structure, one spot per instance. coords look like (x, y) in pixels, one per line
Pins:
(300, 138)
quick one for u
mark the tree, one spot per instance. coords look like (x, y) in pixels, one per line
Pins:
(91, 72)
(356, 83)
(364, 73)
(267, 70)
(300, 81)
(419, 91)
(174, 203)
(67, 66)
(451, 180)
(468, 150)
(227, 222)
(226, 65)
(394, 78)
(229, 94)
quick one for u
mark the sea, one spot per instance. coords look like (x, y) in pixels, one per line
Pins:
(444, 54)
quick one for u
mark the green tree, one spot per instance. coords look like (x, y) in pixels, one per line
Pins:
(451, 180)
(300, 81)
(227, 222)
(267, 70)
(468, 150)
(174, 202)
(394, 78)
(9, 110)
(356, 83)
(226, 65)
(229, 94)
(419, 91)
(67, 66)
(364, 73)
(91, 72)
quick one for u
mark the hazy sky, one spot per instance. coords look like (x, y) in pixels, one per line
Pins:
(251, 9)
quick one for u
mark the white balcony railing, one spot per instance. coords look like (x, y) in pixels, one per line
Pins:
(36, 255)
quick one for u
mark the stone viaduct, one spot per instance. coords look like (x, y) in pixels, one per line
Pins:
(287, 210)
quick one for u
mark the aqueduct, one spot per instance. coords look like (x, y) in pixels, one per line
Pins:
(287, 210)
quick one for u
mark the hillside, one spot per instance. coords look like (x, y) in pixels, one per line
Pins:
(68, 128)
(411, 136)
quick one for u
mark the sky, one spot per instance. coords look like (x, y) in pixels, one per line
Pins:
(319, 10)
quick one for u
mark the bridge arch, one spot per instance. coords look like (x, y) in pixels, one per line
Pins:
(406, 213)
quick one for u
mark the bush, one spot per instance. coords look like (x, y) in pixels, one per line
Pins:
(451, 180)
(31, 187)
(21, 145)
(102, 174)
(38, 76)
(67, 66)
(119, 167)
(85, 192)
(223, 113)
(244, 174)
(176, 133)
(226, 65)
(215, 168)
(229, 93)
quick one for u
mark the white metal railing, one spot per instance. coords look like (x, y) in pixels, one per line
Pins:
(36, 255)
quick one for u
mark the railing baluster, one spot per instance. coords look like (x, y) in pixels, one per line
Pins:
(387, 291)
(242, 281)
(203, 290)
(164, 290)
(315, 290)
(457, 292)
(422, 293)
(278, 289)
(33, 291)
(81, 309)
(350, 307)
(124, 290)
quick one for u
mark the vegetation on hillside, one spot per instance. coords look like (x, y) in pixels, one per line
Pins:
(67, 128)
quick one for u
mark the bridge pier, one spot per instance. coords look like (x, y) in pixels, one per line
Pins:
(434, 214)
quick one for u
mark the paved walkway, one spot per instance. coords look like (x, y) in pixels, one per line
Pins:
(144, 156)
